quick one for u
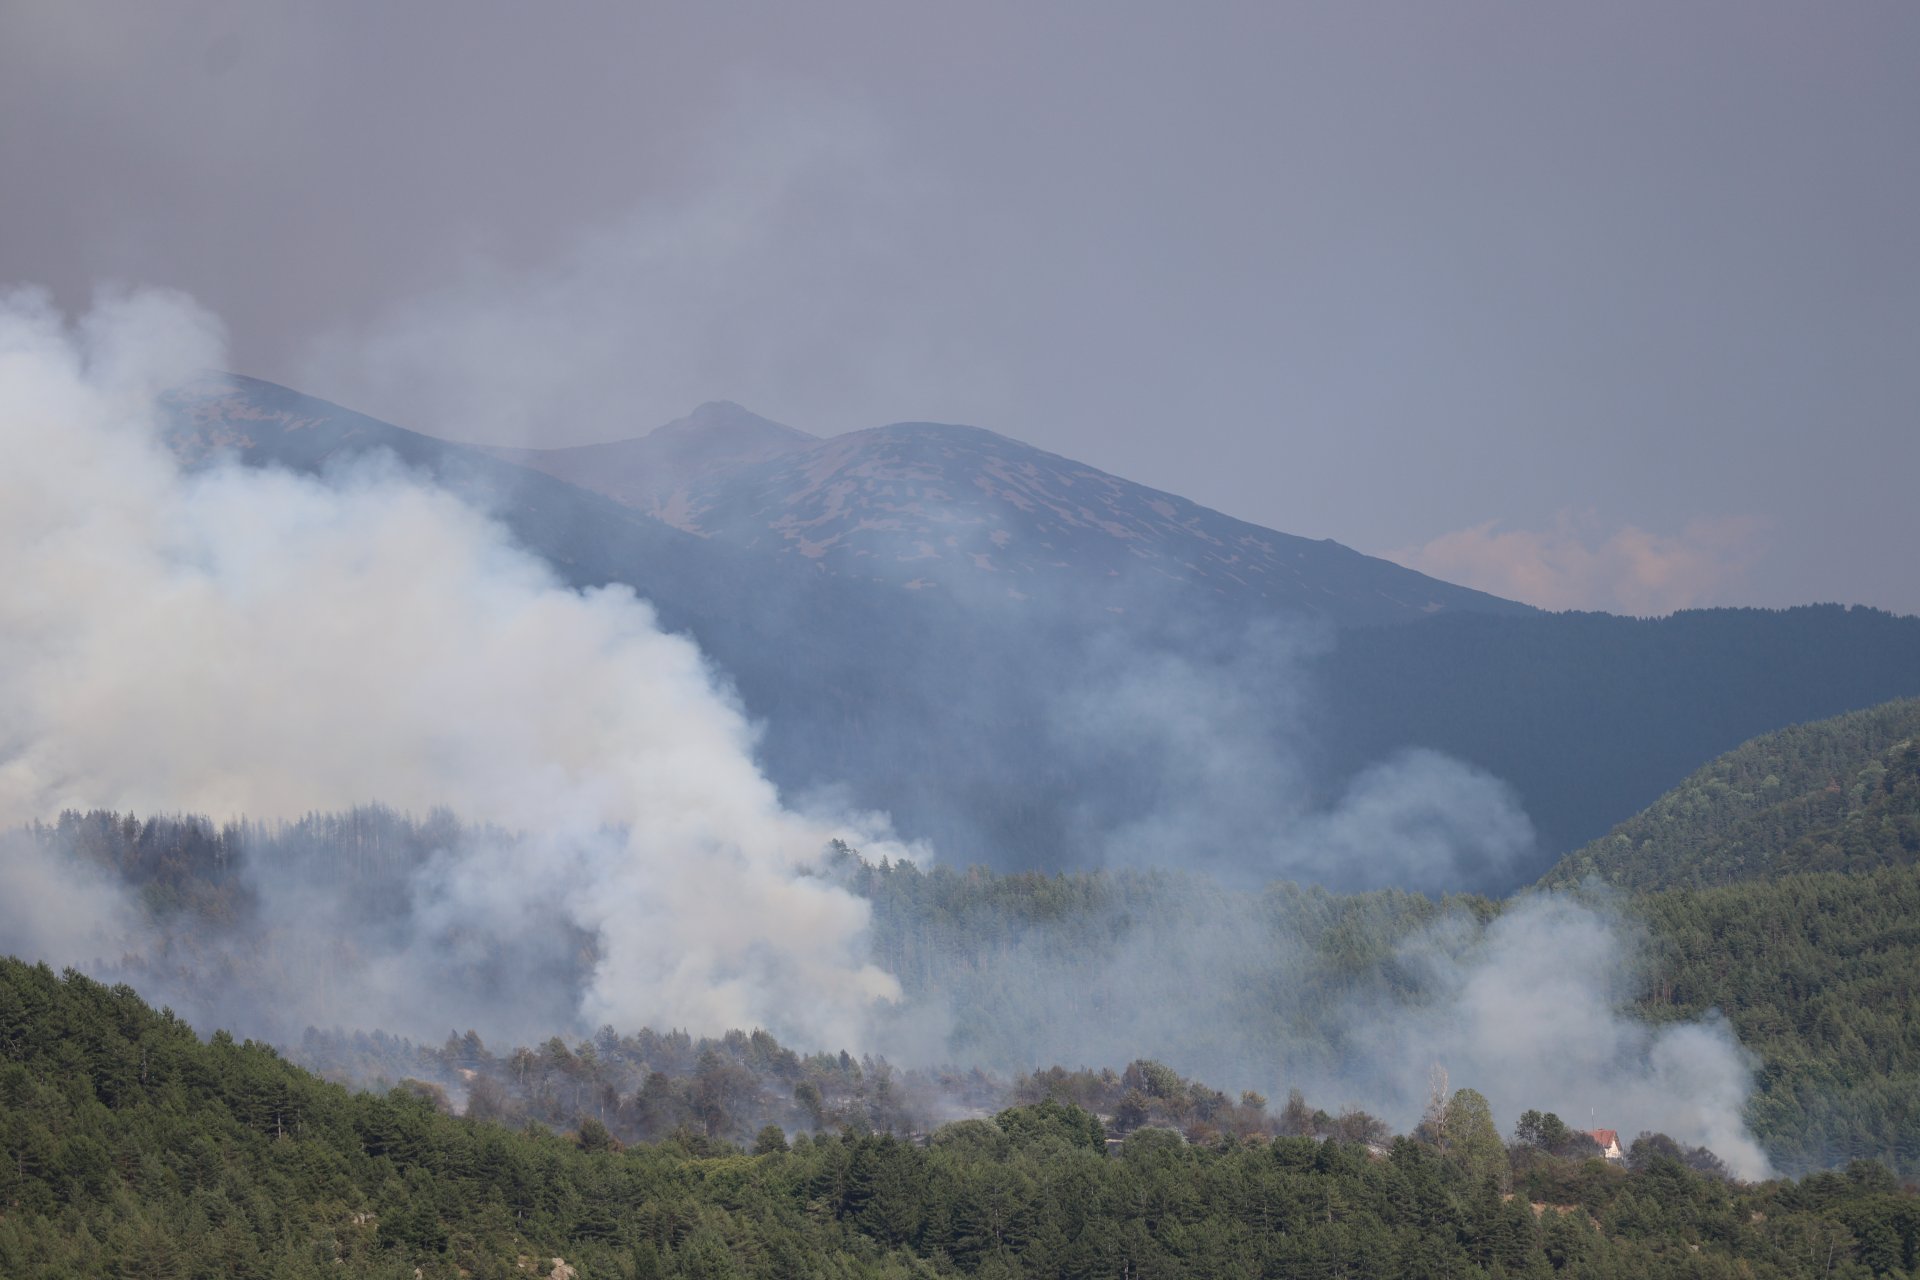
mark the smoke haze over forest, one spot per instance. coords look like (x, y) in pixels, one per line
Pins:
(254, 644)
(346, 697)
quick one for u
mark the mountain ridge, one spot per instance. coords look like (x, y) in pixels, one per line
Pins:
(947, 506)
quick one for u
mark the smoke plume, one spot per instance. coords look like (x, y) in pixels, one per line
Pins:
(1351, 999)
(1200, 755)
(1532, 1010)
(238, 642)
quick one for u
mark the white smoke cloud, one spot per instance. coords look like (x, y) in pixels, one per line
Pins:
(55, 911)
(1416, 820)
(1218, 758)
(234, 641)
(1534, 1012)
(1532, 1008)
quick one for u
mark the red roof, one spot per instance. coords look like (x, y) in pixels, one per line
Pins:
(1605, 1137)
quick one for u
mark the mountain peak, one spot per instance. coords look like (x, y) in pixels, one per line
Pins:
(654, 472)
(734, 422)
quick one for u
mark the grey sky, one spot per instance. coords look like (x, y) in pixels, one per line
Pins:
(1640, 282)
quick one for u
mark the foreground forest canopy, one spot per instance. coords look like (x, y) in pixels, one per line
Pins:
(134, 1149)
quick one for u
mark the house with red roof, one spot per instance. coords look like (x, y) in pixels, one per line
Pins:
(1608, 1141)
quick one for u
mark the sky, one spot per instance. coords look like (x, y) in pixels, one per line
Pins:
(1600, 306)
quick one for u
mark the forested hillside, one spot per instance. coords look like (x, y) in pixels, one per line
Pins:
(1813, 972)
(1004, 975)
(133, 1149)
(1816, 973)
(1836, 794)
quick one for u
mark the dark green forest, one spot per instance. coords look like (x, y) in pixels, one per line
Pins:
(1817, 974)
(135, 1149)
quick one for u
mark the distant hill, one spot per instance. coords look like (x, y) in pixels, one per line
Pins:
(1592, 717)
(952, 709)
(930, 506)
(1841, 794)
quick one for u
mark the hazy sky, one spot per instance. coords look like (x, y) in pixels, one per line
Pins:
(1610, 305)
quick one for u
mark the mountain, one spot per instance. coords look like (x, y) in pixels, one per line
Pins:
(1837, 794)
(1029, 733)
(731, 600)
(928, 506)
